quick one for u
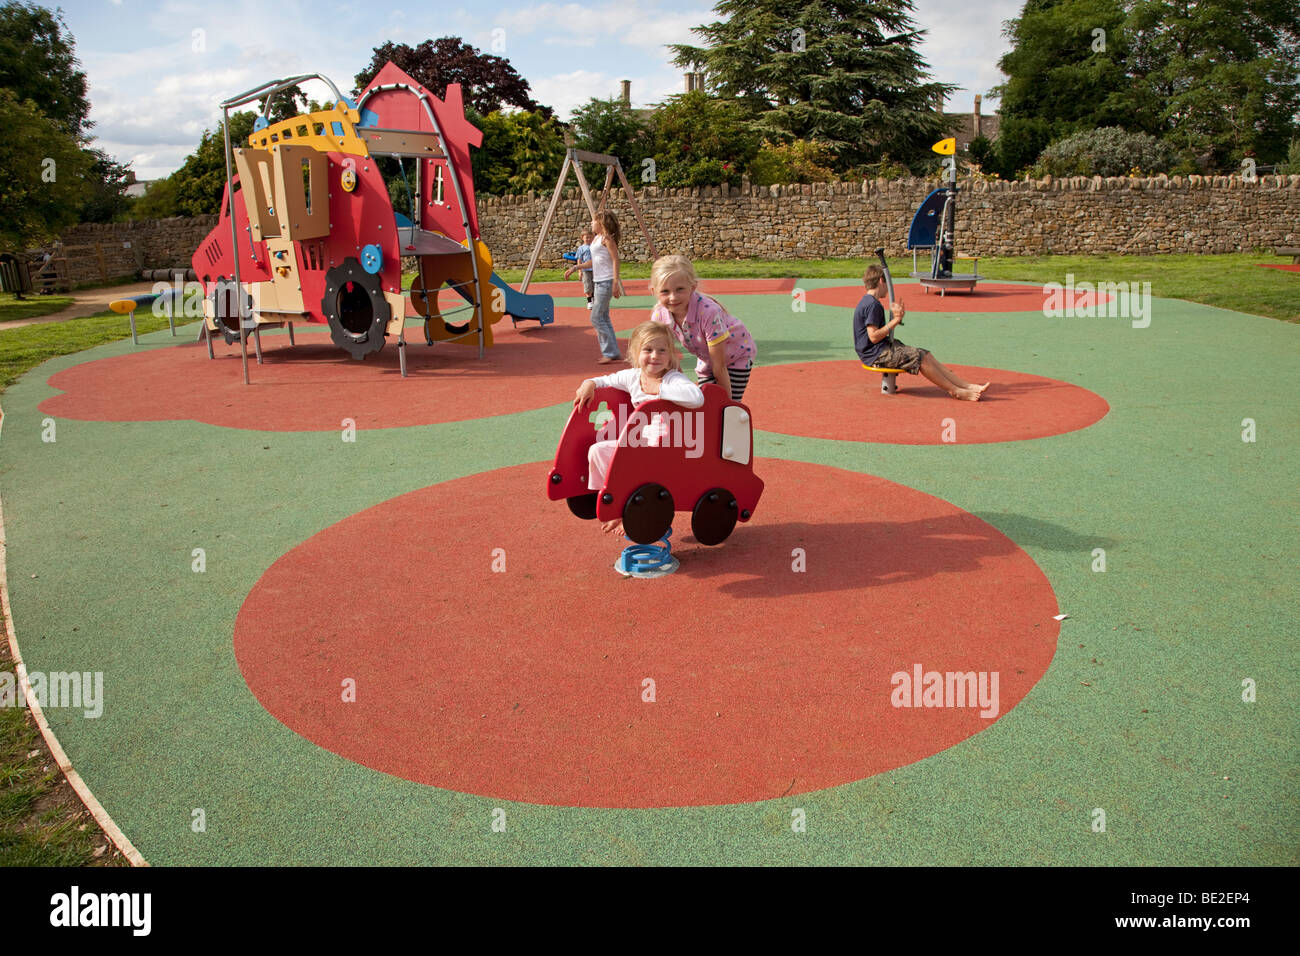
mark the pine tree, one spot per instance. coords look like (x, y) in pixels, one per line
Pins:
(841, 72)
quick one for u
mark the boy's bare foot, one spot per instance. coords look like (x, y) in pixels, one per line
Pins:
(605, 361)
(980, 388)
(615, 526)
(966, 394)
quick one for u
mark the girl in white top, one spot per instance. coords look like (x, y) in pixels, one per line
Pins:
(655, 374)
(604, 266)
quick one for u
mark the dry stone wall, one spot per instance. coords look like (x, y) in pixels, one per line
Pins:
(1196, 214)
(1193, 214)
(103, 252)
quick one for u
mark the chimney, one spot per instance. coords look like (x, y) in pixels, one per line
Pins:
(690, 82)
(978, 131)
(627, 94)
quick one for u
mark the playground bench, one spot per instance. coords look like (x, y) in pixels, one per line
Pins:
(1292, 251)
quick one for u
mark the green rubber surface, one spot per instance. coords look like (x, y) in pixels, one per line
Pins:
(1141, 713)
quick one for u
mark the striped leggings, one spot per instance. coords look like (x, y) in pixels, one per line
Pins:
(739, 379)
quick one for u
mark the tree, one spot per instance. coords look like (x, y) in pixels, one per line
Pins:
(842, 72)
(489, 83)
(195, 189)
(42, 187)
(1215, 79)
(521, 151)
(607, 126)
(1062, 77)
(38, 69)
(1220, 77)
(38, 63)
(289, 103)
(702, 140)
(106, 185)
(798, 162)
(158, 201)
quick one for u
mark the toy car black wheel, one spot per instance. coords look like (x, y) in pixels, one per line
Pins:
(648, 514)
(355, 307)
(714, 516)
(584, 506)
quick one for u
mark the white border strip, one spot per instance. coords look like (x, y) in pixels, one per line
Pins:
(74, 779)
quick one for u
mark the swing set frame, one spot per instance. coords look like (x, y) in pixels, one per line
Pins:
(573, 159)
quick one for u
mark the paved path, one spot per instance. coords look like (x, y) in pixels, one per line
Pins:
(84, 302)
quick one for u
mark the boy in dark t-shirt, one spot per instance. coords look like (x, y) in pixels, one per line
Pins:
(872, 342)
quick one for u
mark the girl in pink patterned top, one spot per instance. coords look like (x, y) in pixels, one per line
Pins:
(723, 348)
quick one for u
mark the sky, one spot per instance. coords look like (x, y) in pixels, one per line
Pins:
(159, 69)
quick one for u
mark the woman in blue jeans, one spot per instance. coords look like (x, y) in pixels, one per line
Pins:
(605, 278)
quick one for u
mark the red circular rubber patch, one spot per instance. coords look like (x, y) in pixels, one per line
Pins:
(843, 401)
(986, 297)
(494, 650)
(314, 385)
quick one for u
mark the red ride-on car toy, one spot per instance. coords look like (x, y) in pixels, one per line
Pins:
(699, 460)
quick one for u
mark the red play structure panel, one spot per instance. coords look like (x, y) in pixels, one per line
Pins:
(843, 401)
(987, 297)
(773, 655)
(314, 386)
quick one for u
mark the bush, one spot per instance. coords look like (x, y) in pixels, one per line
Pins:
(606, 126)
(1108, 151)
(521, 151)
(981, 151)
(885, 169)
(701, 141)
(802, 161)
(1020, 140)
(702, 172)
(1292, 165)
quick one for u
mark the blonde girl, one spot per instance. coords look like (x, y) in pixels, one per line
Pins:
(654, 374)
(723, 348)
(604, 266)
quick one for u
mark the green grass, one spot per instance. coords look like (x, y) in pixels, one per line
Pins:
(31, 307)
(1233, 281)
(23, 349)
(35, 829)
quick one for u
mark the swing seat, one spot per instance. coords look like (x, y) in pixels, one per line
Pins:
(889, 379)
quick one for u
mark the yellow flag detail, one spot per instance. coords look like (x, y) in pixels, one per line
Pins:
(946, 147)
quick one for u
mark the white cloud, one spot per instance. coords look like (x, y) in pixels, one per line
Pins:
(152, 95)
(646, 26)
(566, 91)
(963, 44)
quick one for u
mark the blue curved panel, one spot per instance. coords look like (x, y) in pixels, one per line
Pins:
(925, 224)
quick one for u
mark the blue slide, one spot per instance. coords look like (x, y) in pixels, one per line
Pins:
(522, 305)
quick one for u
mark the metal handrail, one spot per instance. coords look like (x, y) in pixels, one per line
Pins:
(271, 87)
